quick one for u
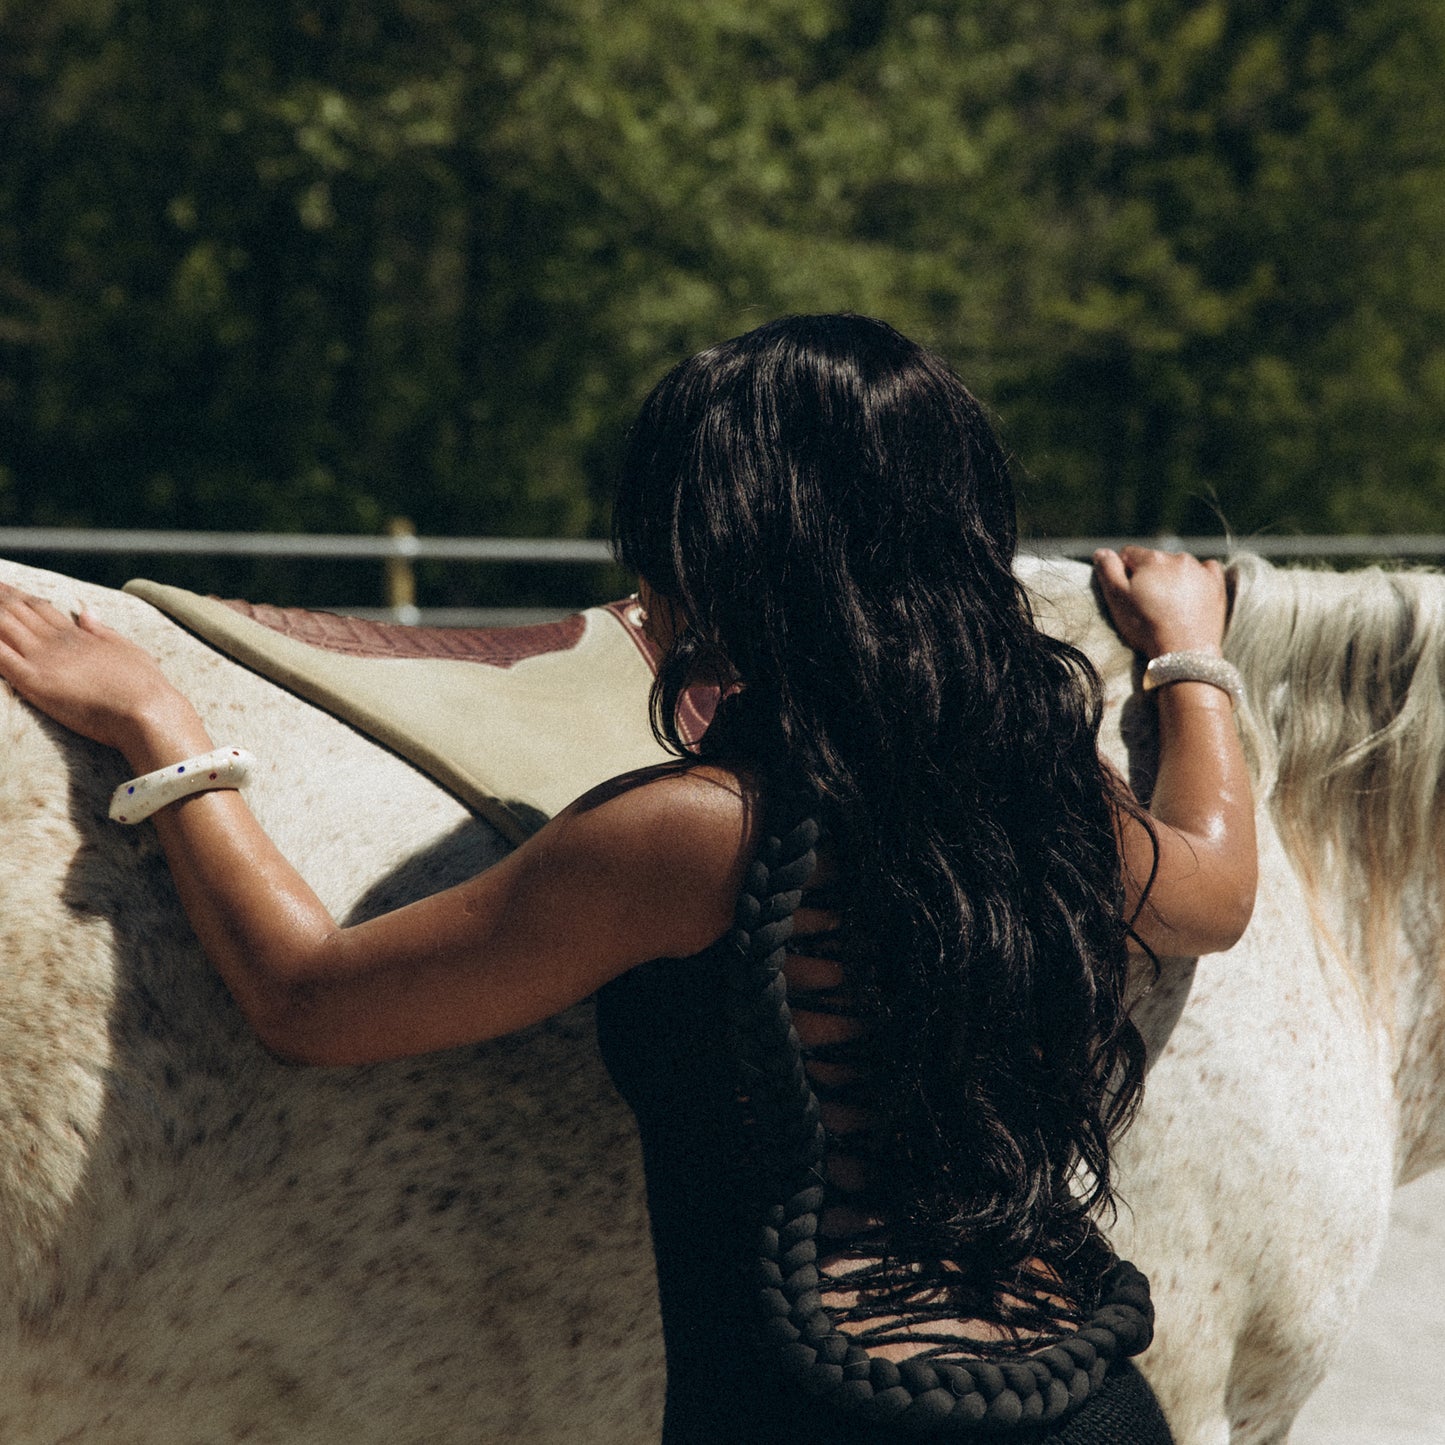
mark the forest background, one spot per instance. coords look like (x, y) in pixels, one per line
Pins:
(309, 264)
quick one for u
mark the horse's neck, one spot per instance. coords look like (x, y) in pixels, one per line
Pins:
(1346, 681)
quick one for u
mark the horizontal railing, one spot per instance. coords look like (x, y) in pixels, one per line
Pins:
(292, 544)
(400, 548)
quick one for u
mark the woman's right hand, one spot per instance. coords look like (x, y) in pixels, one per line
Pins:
(78, 671)
(1163, 601)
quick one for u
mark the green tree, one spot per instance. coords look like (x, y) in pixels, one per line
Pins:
(1252, 208)
(310, 263)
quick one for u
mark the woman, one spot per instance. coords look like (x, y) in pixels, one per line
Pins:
(862, 956)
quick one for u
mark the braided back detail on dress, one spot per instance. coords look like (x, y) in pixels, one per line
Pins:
(932, 1395)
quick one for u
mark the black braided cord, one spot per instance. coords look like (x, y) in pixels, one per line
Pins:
(930, 1395)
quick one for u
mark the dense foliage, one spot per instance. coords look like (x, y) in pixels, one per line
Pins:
(310, 263)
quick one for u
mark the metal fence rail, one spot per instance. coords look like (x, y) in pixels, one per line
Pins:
(289, 544)
(400, 548)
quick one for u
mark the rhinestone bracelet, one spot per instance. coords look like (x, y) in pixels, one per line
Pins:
(1194, 667)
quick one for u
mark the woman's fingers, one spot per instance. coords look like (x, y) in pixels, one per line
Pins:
(75, 669)
(38, 618)
(49, 614)
(19, 627)
(33, 614)
(89, 622)
(1162, 601)
(1111, 569)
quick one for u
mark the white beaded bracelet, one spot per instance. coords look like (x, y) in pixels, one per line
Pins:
(1194, 667)
(135, 801)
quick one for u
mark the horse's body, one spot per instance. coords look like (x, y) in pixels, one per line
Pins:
(204, 1245)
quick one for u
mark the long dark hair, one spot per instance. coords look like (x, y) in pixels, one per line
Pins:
(830, 512)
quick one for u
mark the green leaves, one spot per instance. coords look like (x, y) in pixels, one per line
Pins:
(341, 261)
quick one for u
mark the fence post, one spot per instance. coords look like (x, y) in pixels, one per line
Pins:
(401, 572)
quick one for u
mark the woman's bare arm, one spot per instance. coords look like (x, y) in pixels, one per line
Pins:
(639, 868)
(1203, 805)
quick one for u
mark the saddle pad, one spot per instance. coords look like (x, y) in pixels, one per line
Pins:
(516, 721)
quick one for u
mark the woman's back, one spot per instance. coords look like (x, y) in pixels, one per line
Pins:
(822, 520)
(696, 1046)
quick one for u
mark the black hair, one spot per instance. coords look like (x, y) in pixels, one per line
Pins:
(831, 514)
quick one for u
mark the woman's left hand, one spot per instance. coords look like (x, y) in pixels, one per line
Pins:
(1163, 601)
(80, 672)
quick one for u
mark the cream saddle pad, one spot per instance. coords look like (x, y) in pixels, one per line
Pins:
(516, 721)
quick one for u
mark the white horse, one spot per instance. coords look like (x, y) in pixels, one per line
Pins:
(203, 1245)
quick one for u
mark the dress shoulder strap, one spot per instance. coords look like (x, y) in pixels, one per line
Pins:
(932, 1395)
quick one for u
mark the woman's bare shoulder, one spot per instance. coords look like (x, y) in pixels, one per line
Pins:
(678, 837)
(701, 800)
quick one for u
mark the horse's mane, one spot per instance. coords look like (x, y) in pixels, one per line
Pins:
(1345, 723)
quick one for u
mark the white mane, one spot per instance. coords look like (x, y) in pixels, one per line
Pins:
(1344, 727)
(1345, 679)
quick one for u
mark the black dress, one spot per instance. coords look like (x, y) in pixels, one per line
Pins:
(752, 1357)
